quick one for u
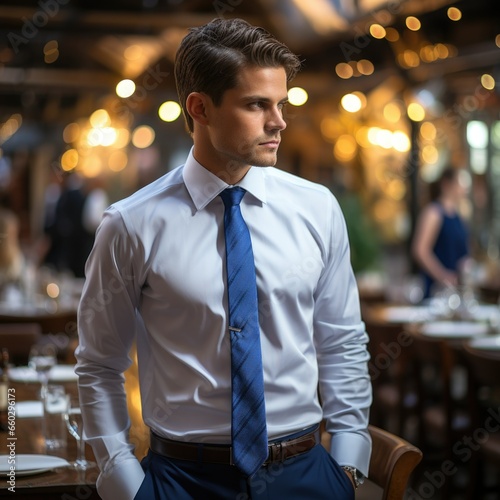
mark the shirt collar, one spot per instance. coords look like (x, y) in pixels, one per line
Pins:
(203, 186)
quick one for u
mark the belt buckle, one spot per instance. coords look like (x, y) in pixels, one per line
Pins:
(278, 455)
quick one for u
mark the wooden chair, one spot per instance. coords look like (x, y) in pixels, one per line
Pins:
(18, 339)
(392, 462)
(394, 394)
(443, 417)
(484, 397)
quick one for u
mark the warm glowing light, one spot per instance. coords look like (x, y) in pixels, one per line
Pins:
(391, 34)
(400, 141)
(51, 51)
(133, 52)
(396, 189)
(52, 290)
(50, 47)
(71, 133)
(169, 111)
(143, 136)
(69, 160)
(487, 81)
(345, 148)
(384, 138)
(122, 138)
(108, 136)
(428, 131)
(427, 53)
(380, 137)
(411, 58)
(362, 137)
(412, 23)
(344, 71)
(372, 135)
(392, 112)
(99, 118)
(330, 128)
(430, 154)
(92, 166)
(365, 67)
(351, 103)
(125, 88)
(377, 31)
(497, 41)
(454, 14)
(416, 112)
(10, 127)
(297, 96)
(361, 97)
(117, 161)
(442, 51)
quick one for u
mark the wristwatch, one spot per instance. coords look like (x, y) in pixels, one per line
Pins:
(357, 477)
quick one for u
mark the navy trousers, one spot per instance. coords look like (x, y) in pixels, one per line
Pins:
(314, 475)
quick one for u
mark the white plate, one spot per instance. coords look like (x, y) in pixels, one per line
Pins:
(63, 373)
(27, 465)
(489, 343)
(406, 314)
(59, 373)
(454, 329)
(485, 312)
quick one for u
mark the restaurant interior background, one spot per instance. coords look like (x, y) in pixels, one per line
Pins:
(390, 93)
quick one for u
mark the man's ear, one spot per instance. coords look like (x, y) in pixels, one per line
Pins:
(196, 106)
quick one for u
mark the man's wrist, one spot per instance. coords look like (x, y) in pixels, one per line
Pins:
(353, 473)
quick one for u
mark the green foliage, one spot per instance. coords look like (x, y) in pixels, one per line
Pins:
(363, 237)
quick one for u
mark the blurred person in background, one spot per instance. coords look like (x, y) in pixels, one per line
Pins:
(11, 256)
(440, 245)
(73, 213)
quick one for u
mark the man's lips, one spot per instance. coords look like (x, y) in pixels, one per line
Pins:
(273, 143)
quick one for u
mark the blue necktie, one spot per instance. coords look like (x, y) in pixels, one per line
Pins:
(248, 422)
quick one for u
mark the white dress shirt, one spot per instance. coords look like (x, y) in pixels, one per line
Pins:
(157, 274)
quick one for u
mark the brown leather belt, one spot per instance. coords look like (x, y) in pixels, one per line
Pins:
(222, 454)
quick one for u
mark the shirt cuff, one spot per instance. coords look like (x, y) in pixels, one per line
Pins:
(121, 481)
(353, 449)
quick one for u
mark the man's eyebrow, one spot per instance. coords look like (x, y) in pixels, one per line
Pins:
(263, 99)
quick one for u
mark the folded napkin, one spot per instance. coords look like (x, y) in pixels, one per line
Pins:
(59, 373)
(26, 409)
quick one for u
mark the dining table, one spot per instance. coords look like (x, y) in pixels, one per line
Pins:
(39, 473)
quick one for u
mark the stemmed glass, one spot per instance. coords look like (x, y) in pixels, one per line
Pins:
(41, 359)
(74, 423)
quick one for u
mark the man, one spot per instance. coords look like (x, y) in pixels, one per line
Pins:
(162, 272)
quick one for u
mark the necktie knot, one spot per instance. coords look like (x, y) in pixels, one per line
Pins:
(232, 196)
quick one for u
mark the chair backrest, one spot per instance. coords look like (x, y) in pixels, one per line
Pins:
(433, 386)
(484, 373)
(484, 365)
(18, 339)
(392, 462)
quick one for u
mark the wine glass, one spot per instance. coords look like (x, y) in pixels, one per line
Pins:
(41, 359)
(74, 423)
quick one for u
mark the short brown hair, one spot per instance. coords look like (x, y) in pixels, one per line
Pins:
(210, 56)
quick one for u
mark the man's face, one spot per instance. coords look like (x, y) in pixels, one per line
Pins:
(245, 128)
